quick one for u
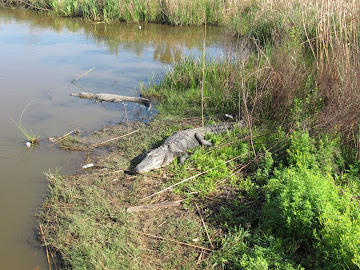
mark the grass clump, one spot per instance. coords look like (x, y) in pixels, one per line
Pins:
(30, 136)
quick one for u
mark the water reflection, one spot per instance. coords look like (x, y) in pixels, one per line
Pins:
(168, 42)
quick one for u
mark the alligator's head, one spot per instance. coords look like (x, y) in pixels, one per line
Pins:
(86, 95)
(153, 160)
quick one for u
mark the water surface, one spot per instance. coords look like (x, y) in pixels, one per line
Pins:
(39, 57)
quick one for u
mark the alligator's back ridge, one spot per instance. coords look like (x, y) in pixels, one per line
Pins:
(112, 98)
(178, 143)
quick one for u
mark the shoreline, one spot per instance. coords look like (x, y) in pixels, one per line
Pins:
(264, 207)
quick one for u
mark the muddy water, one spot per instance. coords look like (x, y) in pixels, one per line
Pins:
(39, 57)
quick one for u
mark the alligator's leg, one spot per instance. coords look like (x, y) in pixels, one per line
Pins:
(168, 159)
(183, 158)
(116, 100)
(174, 152)
(201, 140)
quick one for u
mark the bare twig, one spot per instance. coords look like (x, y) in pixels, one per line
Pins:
(202, 220)
(171, 240)
(113, 139)
(153, 206)
(46, 248)
(82, 75)
(62, 137)
(53, 259)
(200, 257)
(49, 96)
(203, 76)
(187, 179)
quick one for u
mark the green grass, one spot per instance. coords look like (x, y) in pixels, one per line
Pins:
(89, 234)
(179, 88)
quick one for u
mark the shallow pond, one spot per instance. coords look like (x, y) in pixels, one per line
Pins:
(39, 57)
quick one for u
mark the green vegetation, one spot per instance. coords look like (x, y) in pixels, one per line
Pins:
(279, 194)
(315, 217)
(30, 136)
(167, 12)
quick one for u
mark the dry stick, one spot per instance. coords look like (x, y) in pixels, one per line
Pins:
(127, 121)
(113, 139)
(249, 121)
(54, 261)
(203, 77)
(236, 172)
(311, 47)
(46, 248)
(79, 86)
(153, 206)
(187, 179)
(200, 256)
(49, 96)
(202, 220)
(62, 138)
(171, 240)
(82, 75)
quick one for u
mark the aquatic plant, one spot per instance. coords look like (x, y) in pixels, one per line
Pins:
(30, 136)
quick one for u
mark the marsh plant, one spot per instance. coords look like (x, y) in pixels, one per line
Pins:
(30, 136)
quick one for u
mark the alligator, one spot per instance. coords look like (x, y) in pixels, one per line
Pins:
(177, 145)
(112, 98)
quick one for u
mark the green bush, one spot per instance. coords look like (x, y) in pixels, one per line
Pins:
(309, 211)
(241, 250)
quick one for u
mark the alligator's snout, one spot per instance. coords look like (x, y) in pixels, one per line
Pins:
(152, 161)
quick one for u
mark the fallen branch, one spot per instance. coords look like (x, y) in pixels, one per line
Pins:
(82, 75)
(49, 96)
(153, 206)
(171, 240)
(113, 139)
